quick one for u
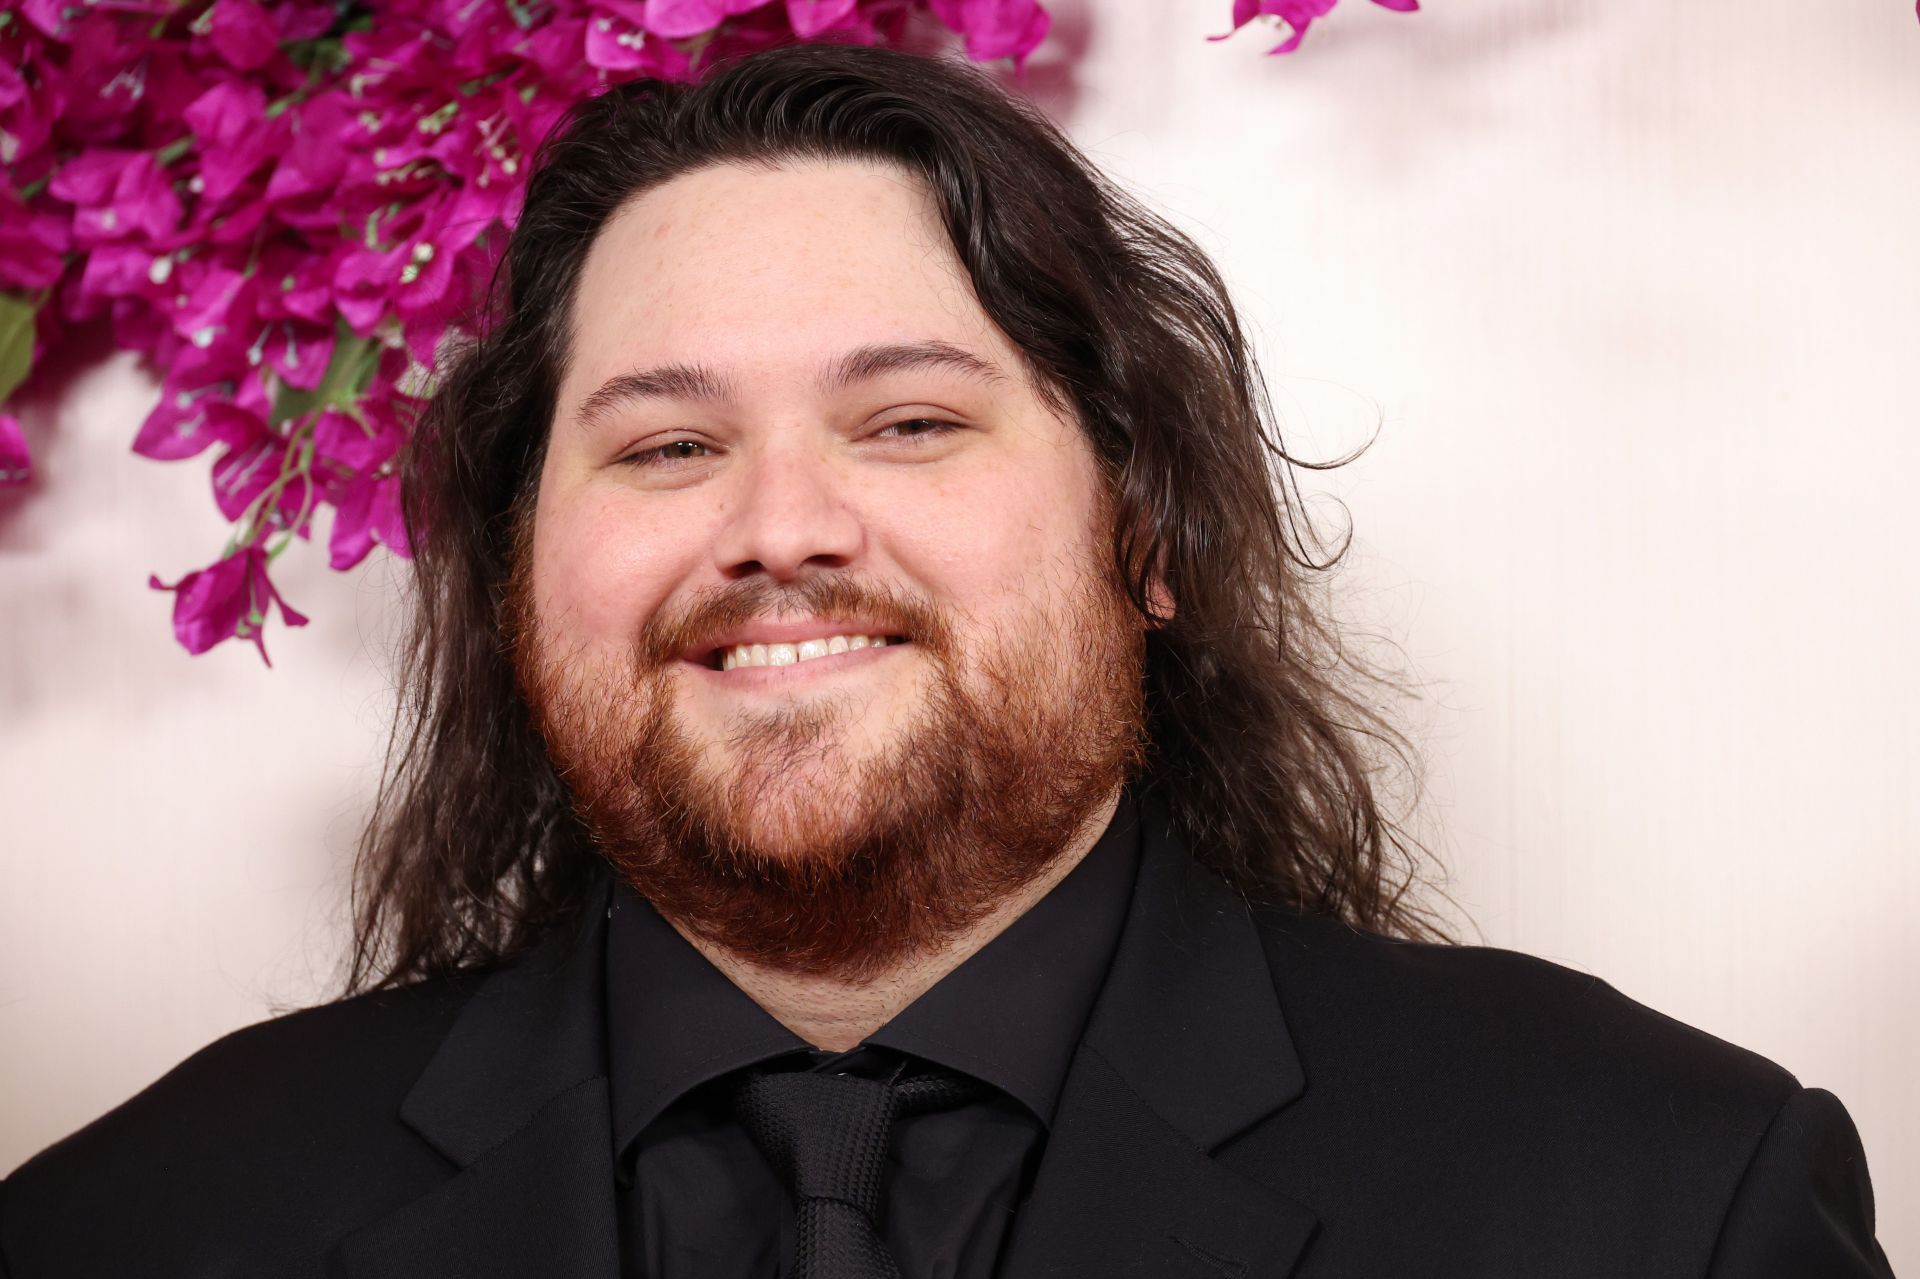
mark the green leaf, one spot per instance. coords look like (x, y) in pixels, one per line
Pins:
(291, 403)
(348, 372)
(16, 342)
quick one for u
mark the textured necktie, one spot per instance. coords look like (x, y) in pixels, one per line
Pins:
(828, 1136)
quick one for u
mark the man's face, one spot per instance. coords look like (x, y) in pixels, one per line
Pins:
(817, 615)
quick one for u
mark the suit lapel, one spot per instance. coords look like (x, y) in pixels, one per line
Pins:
(516, 1098)
(1186, 1048)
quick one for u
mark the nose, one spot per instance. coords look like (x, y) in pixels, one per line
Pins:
(790, 516)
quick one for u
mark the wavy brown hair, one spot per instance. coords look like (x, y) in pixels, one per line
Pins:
(1263, 746)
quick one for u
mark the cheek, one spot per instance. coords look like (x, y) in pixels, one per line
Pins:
(1012, 540)
(600, 569)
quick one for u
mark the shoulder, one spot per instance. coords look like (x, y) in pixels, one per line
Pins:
(1499, 1014)
(256, 1127)
(1516, 1081)
(1538, 1104)
(1496, 1005)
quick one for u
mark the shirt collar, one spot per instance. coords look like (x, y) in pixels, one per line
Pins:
(1011, 1015)
(674, 1021)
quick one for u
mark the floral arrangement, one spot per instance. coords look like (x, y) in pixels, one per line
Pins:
(285, 205)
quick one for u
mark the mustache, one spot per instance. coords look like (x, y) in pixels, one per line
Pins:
(830, 597)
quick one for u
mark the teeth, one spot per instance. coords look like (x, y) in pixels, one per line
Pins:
(790, 654)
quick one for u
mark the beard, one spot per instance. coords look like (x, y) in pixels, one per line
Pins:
(793, 855)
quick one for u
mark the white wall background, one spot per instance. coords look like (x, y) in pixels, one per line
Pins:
(1633, 287)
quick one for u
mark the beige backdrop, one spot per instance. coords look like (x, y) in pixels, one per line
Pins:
(1630, 289)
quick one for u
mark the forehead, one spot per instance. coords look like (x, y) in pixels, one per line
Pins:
(762, 268)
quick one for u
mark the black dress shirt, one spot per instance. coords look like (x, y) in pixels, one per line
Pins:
(698, 1200)
(1256, 1092)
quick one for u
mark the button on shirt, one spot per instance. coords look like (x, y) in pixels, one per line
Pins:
(698, 1200)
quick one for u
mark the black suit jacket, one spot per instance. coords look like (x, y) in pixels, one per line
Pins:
(1257, 1094)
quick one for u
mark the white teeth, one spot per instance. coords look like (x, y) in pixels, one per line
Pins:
(790, 654)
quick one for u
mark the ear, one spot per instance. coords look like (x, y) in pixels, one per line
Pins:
(1159, 597)
(1160, 600)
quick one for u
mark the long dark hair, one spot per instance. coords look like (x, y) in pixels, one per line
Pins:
(1263, 745)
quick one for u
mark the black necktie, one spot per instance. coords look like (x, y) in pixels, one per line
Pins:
(828, 1136)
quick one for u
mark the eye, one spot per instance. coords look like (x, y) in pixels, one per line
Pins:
(667, 455)
(915, 428)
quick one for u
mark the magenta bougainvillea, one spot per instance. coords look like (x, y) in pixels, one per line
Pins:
(1295, 16)
(284, 206)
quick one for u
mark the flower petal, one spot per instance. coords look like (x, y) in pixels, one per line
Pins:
(243, 34)
(16, 464)
(210, 603)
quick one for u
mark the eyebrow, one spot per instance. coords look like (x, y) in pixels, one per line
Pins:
(862, 364)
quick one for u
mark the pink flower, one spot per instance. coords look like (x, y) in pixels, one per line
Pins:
(299, 353)
(352, 445)
(1298, 15)
(226, 599)
(116, 194)
(113, 71)
(677, 19)
(48, 15)
(33, 243)
(304, 19)
(416, 278)
(370, 197)
(616, 36)
(368, 510)
(323, 137)
(235, 137)
(812, 17)
(217, 311)
(185, 422)
(16, 465)
(554, 46)
(296, 285)
(111, 271)
(26, 116)
(243, 34)
(244, 472)
(996, 28)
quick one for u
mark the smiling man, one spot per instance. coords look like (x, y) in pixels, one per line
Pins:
(874, 797)
(861, 728)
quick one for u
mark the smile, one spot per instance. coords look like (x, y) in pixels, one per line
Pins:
(737, 656)
(791, 654)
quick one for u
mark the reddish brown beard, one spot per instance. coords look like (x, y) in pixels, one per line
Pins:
(988, 786)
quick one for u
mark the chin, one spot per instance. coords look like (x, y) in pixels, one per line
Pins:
(812, 833)
(795, 813)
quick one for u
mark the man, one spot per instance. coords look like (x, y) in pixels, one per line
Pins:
(876, 801)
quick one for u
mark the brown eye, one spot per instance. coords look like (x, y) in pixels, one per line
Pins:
(667, 454)
(914, 428)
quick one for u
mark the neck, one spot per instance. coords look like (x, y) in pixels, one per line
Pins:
(835, 1015)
